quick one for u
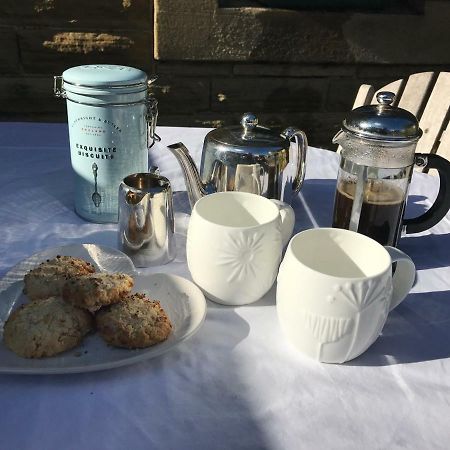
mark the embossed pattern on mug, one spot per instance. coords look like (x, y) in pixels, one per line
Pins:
(241, 254)
(327, 329)
(361, 294)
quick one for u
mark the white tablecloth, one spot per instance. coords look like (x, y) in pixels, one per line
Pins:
(237, 383)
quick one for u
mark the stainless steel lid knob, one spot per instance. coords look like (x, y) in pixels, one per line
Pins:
(385, 98)
(249, 121)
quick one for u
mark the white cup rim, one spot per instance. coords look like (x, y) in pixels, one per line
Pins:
(385, 260)
(257, 198)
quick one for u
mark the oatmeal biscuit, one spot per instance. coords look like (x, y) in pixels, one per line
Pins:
(45, 328)
(48, 278)
(136, 322)
(93, 291)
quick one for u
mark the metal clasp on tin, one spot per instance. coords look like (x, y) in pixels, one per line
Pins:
(58, 89)
(152, 116)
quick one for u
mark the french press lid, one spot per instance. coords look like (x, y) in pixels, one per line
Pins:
(383, 122)
(249, 137)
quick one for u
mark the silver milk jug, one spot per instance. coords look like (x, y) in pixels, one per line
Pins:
(146, 221)
(111, 119)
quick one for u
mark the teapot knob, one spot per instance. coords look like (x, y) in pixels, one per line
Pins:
(249, 120)
(385, 98)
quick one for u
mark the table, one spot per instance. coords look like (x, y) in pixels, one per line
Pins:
(237, 383)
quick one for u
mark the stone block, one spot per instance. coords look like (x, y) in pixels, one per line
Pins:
(22, 96)
(268, 35)
(268, 94)
(190, 68)
(294, 70)
(180, 95)
(341, 94)
(258, 35)
(401, 39)
(9, 51)
(200, 119)
(101, 13)
(396, 71)
(182, 36)
(185, 6)
(51, 51)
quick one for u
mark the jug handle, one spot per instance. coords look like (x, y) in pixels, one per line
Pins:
(299, 137)
(441, 205)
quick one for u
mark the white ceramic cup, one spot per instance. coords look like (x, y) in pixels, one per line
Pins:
(335, 289)
(234, 245)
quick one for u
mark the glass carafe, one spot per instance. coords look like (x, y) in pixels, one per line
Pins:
(377, 160)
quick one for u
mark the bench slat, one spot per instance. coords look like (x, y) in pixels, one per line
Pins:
(416, 91)
(434, 115)
(364, 95)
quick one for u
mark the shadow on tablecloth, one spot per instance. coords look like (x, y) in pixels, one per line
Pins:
(428, 252)
(417, 330)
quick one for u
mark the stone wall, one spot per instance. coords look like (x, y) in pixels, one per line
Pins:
(291, 68)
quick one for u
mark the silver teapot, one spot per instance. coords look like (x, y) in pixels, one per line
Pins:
(246, 158)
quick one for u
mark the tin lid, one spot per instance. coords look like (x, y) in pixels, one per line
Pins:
(249, 137)
(383, 122)
(104, 79)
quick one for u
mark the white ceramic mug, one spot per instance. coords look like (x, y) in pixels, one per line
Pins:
(234, 245)
(335, 289)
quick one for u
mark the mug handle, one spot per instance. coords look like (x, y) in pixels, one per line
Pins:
(441, 205)
(404, 276)
(287, 215)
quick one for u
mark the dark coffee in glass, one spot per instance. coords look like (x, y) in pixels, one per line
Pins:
(377, 144)
(381, 210)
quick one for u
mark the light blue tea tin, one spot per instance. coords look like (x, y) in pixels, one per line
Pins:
(112, 120)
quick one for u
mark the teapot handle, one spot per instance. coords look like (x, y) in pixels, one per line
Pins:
(441, 205)
(299, 137)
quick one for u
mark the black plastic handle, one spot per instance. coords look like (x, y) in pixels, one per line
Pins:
(441, 205)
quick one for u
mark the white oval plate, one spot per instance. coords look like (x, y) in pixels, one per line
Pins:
(182, 300)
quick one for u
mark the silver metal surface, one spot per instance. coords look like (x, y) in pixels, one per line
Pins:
(248, 158)
(152, 117)
(383, 121)
(58, 89)
(249, 120)
(385, 98)
(294, 174)
(146, 222)
(194, 186)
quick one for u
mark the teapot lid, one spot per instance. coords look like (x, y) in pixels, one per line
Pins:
(383, 122)
(249, 137)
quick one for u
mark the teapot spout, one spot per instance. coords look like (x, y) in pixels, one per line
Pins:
(194, 185)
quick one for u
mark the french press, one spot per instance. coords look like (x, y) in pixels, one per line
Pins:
(377, 160)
